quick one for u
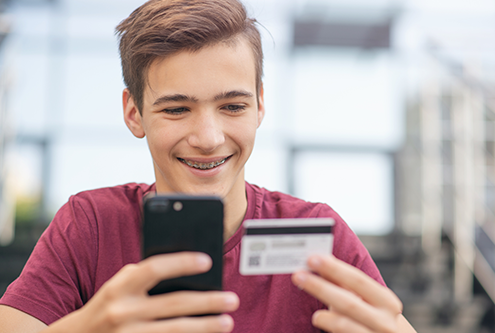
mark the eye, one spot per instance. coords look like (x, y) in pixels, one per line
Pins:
(176, 111)
(235, 108)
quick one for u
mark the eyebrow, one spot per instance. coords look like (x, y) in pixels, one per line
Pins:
(186, 98)
(232, 94)
(175, 98)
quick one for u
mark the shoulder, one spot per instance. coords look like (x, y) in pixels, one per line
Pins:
(125, 192)
(120, 197)
(274, 204)
(102, 204)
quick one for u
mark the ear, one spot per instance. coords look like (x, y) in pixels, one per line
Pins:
(261, 105)
(132, 116)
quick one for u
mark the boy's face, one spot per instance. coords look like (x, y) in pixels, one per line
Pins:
(200, 116)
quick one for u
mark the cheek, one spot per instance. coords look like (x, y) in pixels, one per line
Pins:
(160, 142)
(244, 136)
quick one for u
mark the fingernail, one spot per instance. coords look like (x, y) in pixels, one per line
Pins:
(300, 278)
(203, 260)
(314, 317)
(230, 300)
(225, 321)
(315, 261)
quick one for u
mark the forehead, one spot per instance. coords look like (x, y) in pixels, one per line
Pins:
(223, 66)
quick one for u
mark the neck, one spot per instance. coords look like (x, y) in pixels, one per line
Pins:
(235, 206)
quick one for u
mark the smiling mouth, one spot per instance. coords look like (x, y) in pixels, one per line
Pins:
(203, 166)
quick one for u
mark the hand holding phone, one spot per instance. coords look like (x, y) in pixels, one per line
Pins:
(122, 304)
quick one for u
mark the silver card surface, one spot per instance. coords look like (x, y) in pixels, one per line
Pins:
(282, 246)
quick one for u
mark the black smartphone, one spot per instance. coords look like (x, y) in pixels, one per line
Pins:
(175, 223)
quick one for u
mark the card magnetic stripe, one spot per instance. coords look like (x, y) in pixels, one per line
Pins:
(289, 230)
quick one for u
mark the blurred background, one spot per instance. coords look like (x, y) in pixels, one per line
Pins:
(384, 109)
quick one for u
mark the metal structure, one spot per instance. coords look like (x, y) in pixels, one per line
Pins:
(367, 36)
(449, 176)
(331, 26)
(443, 242)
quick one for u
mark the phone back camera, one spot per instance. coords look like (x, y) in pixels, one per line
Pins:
(177, 206)
(158, 206)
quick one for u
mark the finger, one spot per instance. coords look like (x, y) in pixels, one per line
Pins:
(143, 276)
(171, 305)
(222, 323)
(187, 303)
(336, 323)
(345, 302)
(353, 279)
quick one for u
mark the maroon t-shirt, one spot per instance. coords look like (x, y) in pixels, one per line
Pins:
(97, 232)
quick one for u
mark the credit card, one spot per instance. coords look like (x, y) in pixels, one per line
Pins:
(282, 246)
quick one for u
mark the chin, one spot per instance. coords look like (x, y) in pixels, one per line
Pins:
(215, 191)
(201, 189)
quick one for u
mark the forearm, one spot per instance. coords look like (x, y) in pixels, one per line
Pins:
(16, 321)
(73, 323)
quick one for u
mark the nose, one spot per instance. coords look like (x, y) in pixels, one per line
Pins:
(206, 132)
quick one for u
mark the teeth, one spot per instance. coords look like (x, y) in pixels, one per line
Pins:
(203, 166)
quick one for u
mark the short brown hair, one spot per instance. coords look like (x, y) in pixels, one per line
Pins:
(160, 28)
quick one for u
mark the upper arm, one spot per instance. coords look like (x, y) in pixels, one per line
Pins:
(16, 321)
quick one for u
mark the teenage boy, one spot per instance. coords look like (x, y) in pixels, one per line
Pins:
(193, 75)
